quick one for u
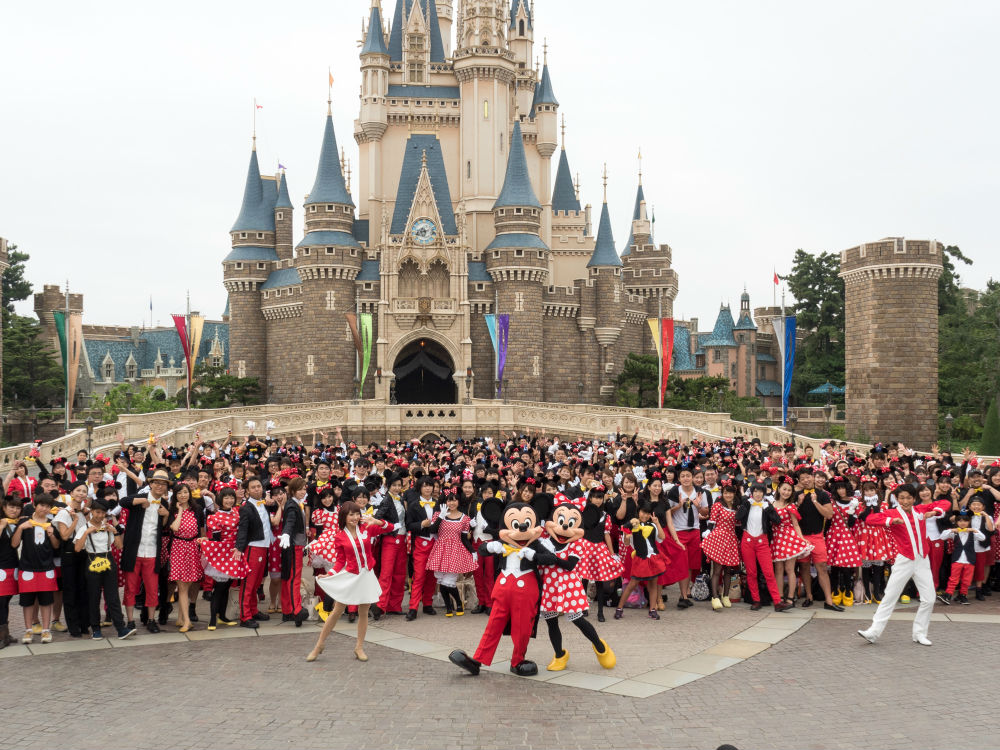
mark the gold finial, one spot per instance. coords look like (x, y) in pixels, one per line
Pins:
(576, 186)
(348, 175)
(640, 165)
(563, 127)
(329, 91)
(545, 50)
(605, 178)
(342, 161)
(423, 159)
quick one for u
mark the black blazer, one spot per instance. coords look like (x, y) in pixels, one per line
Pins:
(770, 519)
(251, 528)
(387, 511)
(133, 532)
(415, 516)
(293, 520)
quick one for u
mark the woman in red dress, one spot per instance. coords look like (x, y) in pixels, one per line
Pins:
(598, 561)
(186, 522)
(720, 546)
(217, 555)
(671, 549)
(322, 550)
(451, 555)
(842, 541)
(875, 542)
(353, 580)
(788, 544)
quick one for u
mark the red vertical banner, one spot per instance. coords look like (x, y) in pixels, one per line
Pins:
(180, 322)
(667, 349)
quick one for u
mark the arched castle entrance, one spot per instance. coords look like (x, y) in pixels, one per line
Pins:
(424, 373)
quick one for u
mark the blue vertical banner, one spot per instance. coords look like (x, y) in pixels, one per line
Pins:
(788, 352)
(503, 335)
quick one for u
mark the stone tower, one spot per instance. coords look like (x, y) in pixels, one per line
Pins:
(4, 265)
(891, 342)
(517, 261)
(51, 298)
(604, 282)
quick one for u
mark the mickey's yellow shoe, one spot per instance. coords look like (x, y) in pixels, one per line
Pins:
(904, 599)
(848, 600)
(838, 596)
(607, 658)
(558, 663)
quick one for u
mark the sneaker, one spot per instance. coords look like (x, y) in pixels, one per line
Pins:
(46, 636)
(57, 626)
(618, 614)
(980, 596)
(97, 635)
(28, 636)
(716, 603)
(127, 632)
(944, 598)
(153, 626)
(904, 599)
(654, 615)
(962, 599)
(36, 628)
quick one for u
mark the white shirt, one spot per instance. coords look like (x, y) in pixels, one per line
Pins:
(150, 519)
(67, 517)
(98, 543)
(265, 518)
(680, 513)
(963, 558)
(400, 527)
(755, 520)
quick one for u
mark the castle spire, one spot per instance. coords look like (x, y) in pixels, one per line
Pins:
(517, 190)
(428, 9)
(604, 249)
(284, 201)
(329, 186)
(375, 39)
(637, 213)
(564, 195)
(255, 215)
(514, 4)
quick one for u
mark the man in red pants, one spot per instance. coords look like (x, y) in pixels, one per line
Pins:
(253, 538)
(293, 541)
(515, 593)
(759, 519)
(141, 548)
(422, 530)
(392, 574)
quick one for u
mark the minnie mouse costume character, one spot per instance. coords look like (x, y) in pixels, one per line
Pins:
(515, 593)
(562, 590)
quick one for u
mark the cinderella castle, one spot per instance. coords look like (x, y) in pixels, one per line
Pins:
(454, 216)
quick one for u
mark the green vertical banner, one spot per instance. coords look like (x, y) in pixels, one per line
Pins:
(366, 348)
(60, 319)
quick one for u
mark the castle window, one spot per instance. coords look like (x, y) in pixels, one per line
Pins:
(519, 253)
(277, 292)
(329, 208)
(739, 337)
(368, 286)
(541, 255)
(281, 215)
(243, 235)
(716, 356)
(109, 371)
(416, 42)
(307, 251)
(520, 27)
(486, 109)
(310, 365)
(732, 369)
(312, 209)
(131, 370)
(480, 287)
(496, 253)
(260, 235)
(518, 210)
(261, 266)
(354, 252)
(331, 298)
(468, 170)
(699, 361)
(216, 361)
(329, 251)
(415, 72)
(238, 266)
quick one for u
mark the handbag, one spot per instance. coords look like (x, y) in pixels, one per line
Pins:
(99, 562)
(699, 589)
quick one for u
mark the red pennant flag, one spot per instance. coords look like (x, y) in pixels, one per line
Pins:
(776, 280)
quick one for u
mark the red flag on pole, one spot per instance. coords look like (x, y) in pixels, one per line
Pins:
(180, 322)
(777, 281)
(667, 347)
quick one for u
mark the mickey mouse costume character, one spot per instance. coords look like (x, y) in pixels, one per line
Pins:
(562, 590)
(515, 593)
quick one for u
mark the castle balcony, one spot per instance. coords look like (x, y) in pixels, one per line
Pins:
(411, 311)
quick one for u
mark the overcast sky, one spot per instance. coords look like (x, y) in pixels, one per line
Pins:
(764, 127)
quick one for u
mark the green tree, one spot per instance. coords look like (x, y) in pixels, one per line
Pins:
(990, 443)
(214, 388)
(31, 376)
(15, 286)
(636, 385)
(126, 398)
(819, 308)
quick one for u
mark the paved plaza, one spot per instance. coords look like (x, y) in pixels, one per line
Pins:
(817, 686)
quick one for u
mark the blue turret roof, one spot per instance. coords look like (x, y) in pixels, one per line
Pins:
(517, 190)
(543, 91)
(328, 237)
(639, 198)
(409, 175)
(282, 277)
(370, 271)
(283, 200)
(745, 323)
(513, 12)
(604, 250)
(564, 194)
(374, 40)
(428, 8)
(329, 186)
(722, 334)
(517, 239)
(256, 213)
(682, 357)
(248, 252)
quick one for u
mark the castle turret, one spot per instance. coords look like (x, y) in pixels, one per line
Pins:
(328, 260)
(245, 270)
(445, 12)
(517, 261)
(521, 33)
(283, 220)
(605, 270)
(544, 111)
(371, 125)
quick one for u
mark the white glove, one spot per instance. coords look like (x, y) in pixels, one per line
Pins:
(285, 541)
(529, 554)
(494, 548)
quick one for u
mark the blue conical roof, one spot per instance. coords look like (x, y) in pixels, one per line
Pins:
(604, 250)
(517, 190)
(639, 198)
(513, 11)
(429, 9)
(283, 200)
(329, 186)
(564, 194)
(374, 41)
(255, 213)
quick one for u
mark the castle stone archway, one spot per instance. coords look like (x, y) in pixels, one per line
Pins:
(424, 374)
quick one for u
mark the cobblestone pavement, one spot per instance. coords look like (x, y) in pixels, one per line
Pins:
(817, 688)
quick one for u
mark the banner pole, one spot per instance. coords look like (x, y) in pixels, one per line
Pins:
(659, 379)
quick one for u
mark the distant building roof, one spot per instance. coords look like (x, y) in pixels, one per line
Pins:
(722, 334)
(765, 357)
(768, 388)
(282, 277)
(477, 271)
(150, 342)
(369, 271)
(682, 358)
(564, 193)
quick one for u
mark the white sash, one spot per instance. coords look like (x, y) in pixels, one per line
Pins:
(914, 542)
(358, 556)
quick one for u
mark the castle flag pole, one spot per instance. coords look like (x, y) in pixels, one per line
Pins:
(66, 364)
(191, 354)
(496, 349)
(659, 379)
(781, 348)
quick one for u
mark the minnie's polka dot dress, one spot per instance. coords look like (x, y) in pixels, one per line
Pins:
(323, 550)
(185, 556)
(562, 590)
(841, 542)
(786, 544)
(720, 544)
(596, 561)
(449, 555)
(874, 542)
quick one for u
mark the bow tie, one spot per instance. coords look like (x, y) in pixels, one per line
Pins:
(259, 503)
(757, 504)
(808, 492)
(646, 531)
(963, 530)
(40, 523)
(395, 498)
(509, 550)
(715, 489)
(154, 502)
(428, 503)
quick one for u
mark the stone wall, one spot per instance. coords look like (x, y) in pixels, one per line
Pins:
(891, 340)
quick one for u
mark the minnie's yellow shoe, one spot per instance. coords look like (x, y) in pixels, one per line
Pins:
(558, 663)
(848, 600)
(727, 602)
(716, 604)
(904, 599)
(323, 614)
(837, 596)
(606, 658)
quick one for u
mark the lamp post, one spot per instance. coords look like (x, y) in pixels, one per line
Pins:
(496, 388)
(506, 384)
(89, 425)
(793, 422)
(468, 385)
(378, 375)
(828, 412)
(580, 387)
(357, 388)
(948, 422)
(34, 422)
(128, 400)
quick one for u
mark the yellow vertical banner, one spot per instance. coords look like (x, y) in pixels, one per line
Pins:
(74, 346)
(194, 339)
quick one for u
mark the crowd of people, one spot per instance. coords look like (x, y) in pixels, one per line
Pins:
(101, 541)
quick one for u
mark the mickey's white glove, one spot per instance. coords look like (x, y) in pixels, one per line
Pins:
(494, 548)
(285, 541)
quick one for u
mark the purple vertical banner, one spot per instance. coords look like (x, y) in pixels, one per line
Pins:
(503, 337)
